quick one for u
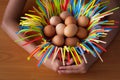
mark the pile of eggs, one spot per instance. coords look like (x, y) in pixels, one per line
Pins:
(66, 30)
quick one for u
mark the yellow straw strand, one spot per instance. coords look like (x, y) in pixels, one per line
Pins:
(77, 55)
(42, 51)
(73, 56)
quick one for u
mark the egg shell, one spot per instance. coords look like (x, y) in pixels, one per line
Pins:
(71, 41)
(70, 20)
(49, 31)
(83, 21)
(70, 30)
(58, 40)
(64, 15)
(55, 20)
(60, 29)
(82, 33)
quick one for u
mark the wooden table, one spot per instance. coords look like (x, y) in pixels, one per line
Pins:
(14, 66)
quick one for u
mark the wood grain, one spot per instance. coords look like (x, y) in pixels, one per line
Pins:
(14, 66)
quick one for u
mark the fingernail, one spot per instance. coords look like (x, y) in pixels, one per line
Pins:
(61, 67)
(59, 72)
(68, 63)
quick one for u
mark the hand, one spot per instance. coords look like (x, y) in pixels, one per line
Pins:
(81, 68)
(54, 66)
(69, 69)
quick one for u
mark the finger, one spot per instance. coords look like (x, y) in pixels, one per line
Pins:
(64, 71)
(56, 64)
(74, 67)
(68, 71)
(71, 62)
(69, 67)
(81, 68)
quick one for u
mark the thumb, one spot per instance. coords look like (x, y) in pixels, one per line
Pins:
(71, 62)
(56, 64)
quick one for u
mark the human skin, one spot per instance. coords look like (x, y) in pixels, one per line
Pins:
(83, 68)
(11, 21)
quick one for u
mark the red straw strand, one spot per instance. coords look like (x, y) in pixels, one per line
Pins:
(68, 57)
(59, 55)
(64, 6)
(76, 57)
(36, 39)
(99, 46)
(109, 26)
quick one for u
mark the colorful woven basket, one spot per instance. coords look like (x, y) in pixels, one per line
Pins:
(33, 23)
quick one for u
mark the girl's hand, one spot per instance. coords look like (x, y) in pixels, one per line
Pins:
(54, 66)
(81, 68)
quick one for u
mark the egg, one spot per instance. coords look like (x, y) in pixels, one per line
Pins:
(60, 29)
(71, 41)
(83, 21)
(70, 30)
(49, 31)
(82, 33)
(70, 20)
(55, 20)
(58, 40)
(64, 15)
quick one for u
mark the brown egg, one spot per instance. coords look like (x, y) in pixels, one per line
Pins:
(70, 30)
(55, 20)
(70, 20)
(64, 15)
(58, 40)
(49, 31)
(83, 21)
(71, 41)
(60, 29)
(82, 33)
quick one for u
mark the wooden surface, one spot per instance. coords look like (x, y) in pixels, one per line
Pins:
(14, 66)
